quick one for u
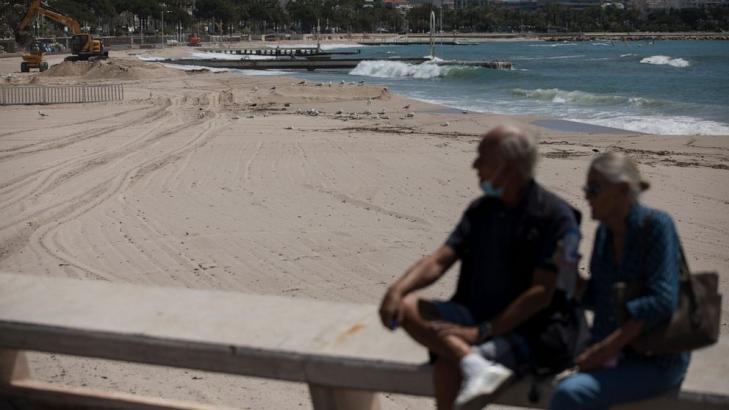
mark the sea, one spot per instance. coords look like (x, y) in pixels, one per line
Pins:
(660, 87)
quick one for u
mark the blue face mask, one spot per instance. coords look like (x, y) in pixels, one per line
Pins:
(490, 190)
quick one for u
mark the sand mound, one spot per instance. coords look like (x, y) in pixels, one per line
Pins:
(111, 69)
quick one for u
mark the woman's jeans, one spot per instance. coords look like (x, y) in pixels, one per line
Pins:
(634, 378)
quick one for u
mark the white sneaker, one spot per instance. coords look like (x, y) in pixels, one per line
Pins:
(478, 391)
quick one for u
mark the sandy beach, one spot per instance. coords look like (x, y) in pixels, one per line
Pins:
(272, 185)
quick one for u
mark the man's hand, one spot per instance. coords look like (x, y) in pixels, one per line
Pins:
(391, 313)
(468, 334)
(596, 356)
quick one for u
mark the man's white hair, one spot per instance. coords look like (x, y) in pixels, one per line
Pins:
(617, 167)
(520, 149)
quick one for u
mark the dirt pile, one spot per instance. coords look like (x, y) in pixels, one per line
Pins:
(111, 69)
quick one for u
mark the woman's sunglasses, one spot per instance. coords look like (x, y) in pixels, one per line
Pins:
(592, 190)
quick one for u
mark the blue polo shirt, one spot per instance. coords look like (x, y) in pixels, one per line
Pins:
(500, 247)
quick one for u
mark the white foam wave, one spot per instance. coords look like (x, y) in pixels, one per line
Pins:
(151, 58)
(523, 58)
(577, 97)
(224, 56)
(666, 60)
(627, 55)
(225, 70)
(564, 57)
(558, 96)
(196, 68)
(397, 69)
(553, 45)
(663, 125)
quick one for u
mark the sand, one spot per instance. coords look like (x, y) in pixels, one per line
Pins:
(273, 186)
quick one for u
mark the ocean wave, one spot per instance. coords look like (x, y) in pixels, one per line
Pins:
(225, 70)
(666, 60)
(577, 97)
(627, 55)
(196, 68)
(663, 125)
(397, 69)
(553, 45)
(224, 56)
(563, 57)
(151, 58)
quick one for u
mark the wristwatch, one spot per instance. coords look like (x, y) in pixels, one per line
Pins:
(484, 331)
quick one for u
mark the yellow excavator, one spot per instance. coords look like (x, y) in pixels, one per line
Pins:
(83, 46)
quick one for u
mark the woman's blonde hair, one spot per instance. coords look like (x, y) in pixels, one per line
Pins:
(617, 167)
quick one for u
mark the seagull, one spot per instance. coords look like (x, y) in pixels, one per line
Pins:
(407, 107)
(42, 114)
(302, 82)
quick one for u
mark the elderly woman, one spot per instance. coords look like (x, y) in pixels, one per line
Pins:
(632, 243)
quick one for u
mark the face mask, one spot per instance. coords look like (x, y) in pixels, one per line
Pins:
(490, 190)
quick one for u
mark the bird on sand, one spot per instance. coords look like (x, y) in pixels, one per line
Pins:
(42, 114)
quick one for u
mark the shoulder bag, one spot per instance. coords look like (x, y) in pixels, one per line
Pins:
(695, 322)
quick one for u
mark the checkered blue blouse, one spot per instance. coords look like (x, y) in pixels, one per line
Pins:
(661, 261)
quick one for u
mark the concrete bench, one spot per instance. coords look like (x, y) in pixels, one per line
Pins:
(338, 349)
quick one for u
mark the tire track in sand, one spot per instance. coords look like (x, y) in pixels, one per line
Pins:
(55, 215)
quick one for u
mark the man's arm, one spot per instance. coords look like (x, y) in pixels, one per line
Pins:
(535, 298)
(423, 273)
(531, 301)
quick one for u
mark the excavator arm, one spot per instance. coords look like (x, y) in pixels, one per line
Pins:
(38, 9)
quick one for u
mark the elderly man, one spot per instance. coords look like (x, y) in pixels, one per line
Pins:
(505, 242)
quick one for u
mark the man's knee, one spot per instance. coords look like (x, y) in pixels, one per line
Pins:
(409, 306)
(576, 392)
(416, 309)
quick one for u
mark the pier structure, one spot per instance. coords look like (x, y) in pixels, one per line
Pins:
(277, 52)
(319, 64)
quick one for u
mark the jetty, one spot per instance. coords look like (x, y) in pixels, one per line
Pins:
(315, 63)
(279, 51)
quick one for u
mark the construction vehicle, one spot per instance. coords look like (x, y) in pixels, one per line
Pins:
(83, 46)
(34, 59)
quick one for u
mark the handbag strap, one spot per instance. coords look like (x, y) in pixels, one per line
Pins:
(684, 273)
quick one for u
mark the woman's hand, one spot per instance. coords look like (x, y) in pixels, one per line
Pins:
(596, 356)
(468, 334)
